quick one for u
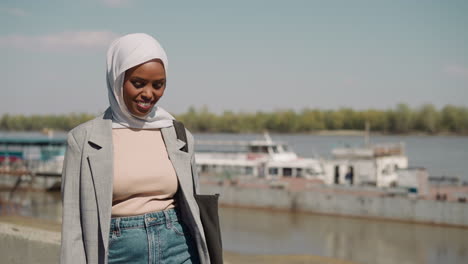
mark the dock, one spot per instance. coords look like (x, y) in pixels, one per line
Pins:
(21, 141)
(34, 160)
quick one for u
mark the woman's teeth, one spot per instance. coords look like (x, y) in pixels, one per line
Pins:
(142, 104)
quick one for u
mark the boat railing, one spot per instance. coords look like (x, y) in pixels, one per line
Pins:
(377, 150)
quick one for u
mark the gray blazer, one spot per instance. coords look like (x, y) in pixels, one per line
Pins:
(87, 190)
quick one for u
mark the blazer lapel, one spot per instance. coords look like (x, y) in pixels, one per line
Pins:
(180, 159)
(100, 160)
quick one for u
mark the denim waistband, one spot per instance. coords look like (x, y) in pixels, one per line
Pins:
(144, 220)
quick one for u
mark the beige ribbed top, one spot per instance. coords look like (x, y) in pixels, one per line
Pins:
(144, 178)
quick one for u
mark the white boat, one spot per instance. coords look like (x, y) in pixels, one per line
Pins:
(379, 165)
(264, 159)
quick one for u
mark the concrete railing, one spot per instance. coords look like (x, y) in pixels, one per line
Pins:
(20, 244)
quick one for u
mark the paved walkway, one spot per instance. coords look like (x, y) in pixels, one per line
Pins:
(31, 231)
(230, 258)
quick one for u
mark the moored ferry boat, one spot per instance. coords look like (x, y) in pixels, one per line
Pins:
(262, 159)
(372, 165)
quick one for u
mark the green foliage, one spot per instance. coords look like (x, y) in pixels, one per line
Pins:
(454, 119)
(40, 122)
(427, 119)
(401, 119)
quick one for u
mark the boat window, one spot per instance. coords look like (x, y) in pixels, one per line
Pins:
(299, 173)
(285, 148)
(275, 149)
(248, 170)
(236, 170)
(387, 170)
(273, 171)
(287, 172)
(259, 149)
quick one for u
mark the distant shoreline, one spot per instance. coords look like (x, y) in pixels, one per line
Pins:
(341, 132)
(344, 133)
(378, 133)
(400, 120)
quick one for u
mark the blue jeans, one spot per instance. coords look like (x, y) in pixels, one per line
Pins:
(152, 238)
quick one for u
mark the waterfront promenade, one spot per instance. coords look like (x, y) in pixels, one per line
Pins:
(264, 236)
(28, 240)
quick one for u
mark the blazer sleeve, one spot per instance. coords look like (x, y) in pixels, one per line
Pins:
(72, 245)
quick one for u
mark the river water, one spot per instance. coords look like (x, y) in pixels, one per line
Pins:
(248, 231)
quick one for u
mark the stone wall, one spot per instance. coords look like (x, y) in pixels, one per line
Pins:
(391, 208)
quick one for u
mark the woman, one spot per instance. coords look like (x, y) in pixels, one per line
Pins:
(128, 182)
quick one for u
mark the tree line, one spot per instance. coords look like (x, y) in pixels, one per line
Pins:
(401, 119)
(39, 122)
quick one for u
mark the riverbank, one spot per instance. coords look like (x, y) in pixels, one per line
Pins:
(380, 133)
(18, 233)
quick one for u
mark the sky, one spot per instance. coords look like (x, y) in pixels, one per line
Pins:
(241, 56)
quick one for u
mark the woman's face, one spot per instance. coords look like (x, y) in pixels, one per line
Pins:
(143, 85)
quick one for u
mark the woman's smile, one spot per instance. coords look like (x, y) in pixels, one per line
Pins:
(144, 106)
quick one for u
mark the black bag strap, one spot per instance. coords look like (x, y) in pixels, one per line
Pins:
(181, 134)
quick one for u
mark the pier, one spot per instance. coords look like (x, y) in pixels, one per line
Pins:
(36, 160)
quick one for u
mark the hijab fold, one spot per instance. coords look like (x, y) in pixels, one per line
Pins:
(124, 53)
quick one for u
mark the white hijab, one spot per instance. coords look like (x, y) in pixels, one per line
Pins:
(124, 53)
